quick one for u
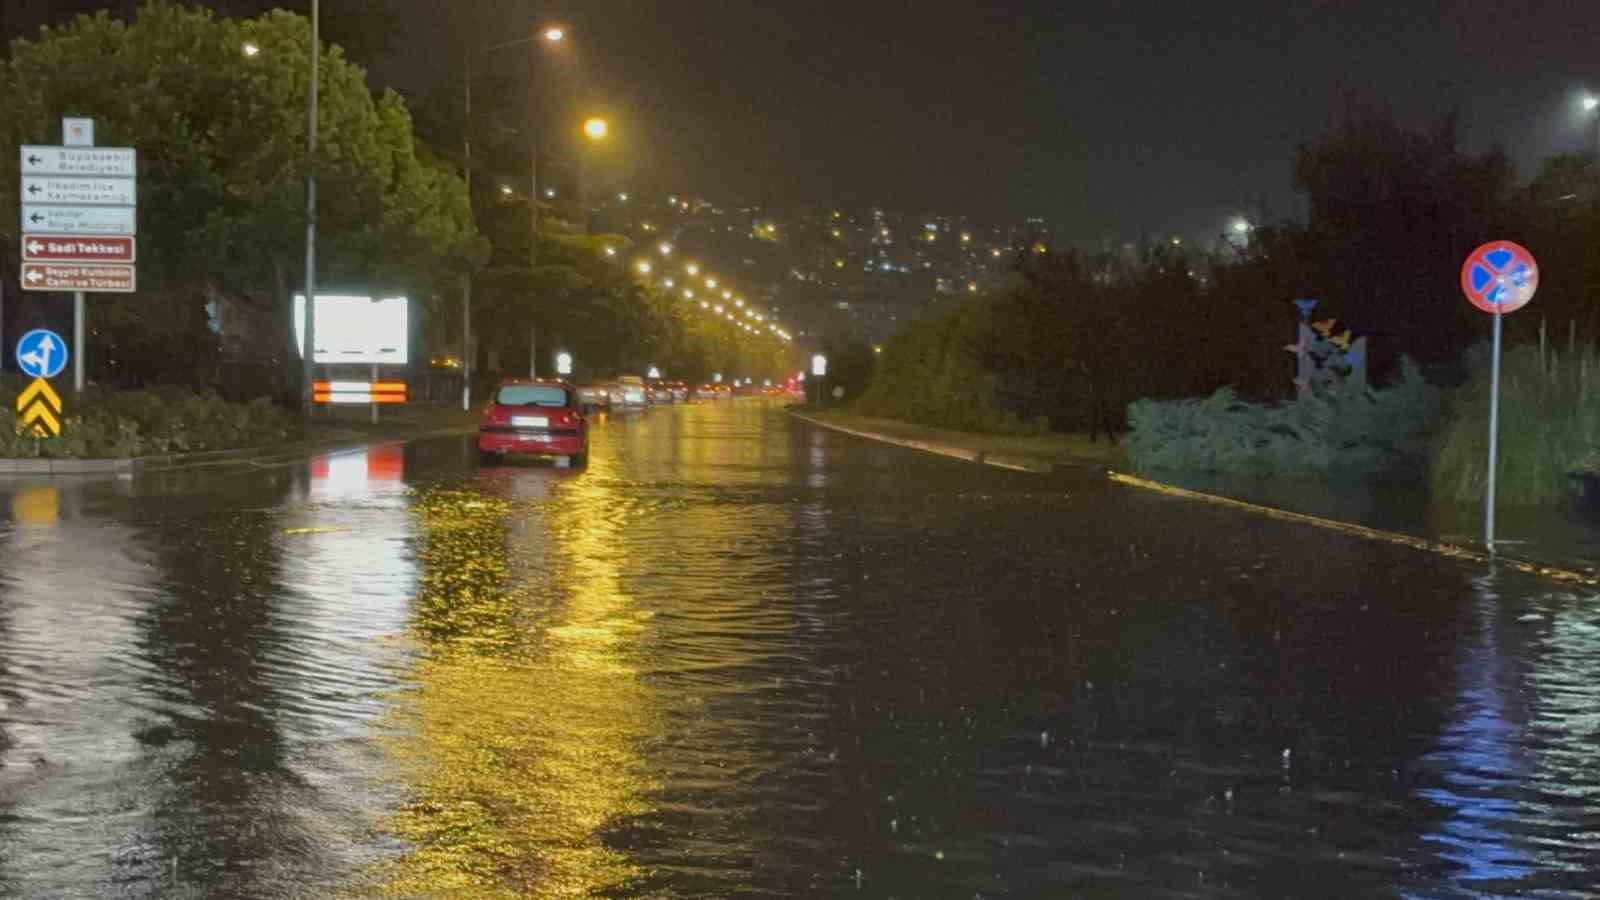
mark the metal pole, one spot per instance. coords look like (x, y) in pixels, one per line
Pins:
(374, 388)
(1494, 438)
(79, 311)
(466, 281)
(309, 351)
(533, 252)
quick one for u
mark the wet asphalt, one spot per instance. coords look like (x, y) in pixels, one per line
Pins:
(739, 656)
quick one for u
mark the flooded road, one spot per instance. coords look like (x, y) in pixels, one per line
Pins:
(740, 657)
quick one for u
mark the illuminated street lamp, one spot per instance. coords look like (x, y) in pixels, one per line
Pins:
(664, 248)
(1241, 226)
(670, 282)
(643, 266)
(555, 34)
(692, 268)
(711, 283)
(1590, 103)
(252, 49)
(596, 128)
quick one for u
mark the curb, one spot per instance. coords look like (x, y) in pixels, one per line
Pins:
(171, 462)
(1426, 545)
(997, 460)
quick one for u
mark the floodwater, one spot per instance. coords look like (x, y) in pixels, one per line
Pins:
(741, 657)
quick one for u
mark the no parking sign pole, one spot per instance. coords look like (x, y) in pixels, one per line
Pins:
(1498, 278)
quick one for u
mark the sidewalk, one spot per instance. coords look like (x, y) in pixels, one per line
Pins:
(1026, 454)
(332, 429)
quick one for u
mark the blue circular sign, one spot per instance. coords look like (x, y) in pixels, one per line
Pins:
(41, 353)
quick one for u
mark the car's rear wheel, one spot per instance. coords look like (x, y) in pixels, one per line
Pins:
(485, 458)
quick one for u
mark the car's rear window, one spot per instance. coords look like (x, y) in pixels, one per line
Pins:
(532, 395)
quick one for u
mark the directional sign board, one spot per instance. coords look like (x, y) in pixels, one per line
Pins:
(41, 354)
(89, 191)
(79, 216)
(1500, 277)
(39, 409)
(38, 219)
(105, 162)
(105, 279)
(70, 248)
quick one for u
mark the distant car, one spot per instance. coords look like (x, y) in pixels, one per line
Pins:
(594, 396)
(633, 391)
(615, 393)
(680, 393)
(536, 418)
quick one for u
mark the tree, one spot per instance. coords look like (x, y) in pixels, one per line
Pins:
(223, 164)
(1392, 215)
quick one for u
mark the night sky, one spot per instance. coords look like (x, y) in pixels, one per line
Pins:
(1113, 119)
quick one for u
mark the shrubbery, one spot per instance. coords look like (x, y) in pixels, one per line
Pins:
(1549, 427)
(929, 374)
(107, 424)
(1346, 430)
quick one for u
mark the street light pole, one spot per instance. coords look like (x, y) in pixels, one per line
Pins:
(309, 346)
(550, 35)
(466, 280)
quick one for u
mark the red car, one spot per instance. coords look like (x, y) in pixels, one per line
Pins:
(538, 418)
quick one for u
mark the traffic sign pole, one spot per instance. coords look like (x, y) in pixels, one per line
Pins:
(1499, 277)
(79, 313)
(1494, 437)
(79, 222)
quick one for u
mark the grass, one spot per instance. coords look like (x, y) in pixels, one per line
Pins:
(1549, 427)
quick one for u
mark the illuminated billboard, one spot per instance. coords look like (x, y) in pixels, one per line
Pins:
(357, 330)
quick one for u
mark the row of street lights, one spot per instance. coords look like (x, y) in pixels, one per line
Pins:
(715, 288)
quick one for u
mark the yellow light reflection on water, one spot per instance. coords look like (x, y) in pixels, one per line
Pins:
(36, 506)
(521, 739)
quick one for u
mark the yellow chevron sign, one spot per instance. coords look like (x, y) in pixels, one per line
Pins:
(39, 408)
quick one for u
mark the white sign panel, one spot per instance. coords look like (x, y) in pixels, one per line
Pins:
(77, 132)
(92, 191)
(357, 330)
(112, 162)
(42, 219)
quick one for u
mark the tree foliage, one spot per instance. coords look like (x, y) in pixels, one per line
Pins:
(223, 163)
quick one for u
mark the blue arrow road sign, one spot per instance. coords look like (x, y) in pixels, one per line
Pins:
(41, 354)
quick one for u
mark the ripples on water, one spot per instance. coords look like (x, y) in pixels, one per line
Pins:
(737, 657)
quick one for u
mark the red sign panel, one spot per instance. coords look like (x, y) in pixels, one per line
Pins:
(1500, 277)
(78, 277)
(77, 248)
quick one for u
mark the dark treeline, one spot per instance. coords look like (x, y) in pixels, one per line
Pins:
(1392, 213)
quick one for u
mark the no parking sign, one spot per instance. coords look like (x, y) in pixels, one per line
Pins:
(1500, 277)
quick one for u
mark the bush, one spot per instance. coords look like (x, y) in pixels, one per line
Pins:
(1347, 430)
(930, 375)
(1549, 427)
(109, 424)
